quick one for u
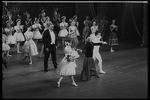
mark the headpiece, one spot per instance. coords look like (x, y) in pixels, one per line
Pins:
(18, 20)
(63, 17)
(70, 20)
(75, 16)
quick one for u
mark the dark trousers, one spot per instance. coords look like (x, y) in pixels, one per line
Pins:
(52, 51)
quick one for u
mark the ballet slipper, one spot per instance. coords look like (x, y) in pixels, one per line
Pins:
(98, 76)
(112, 50)
(30, 63)
(9, 55)
(58, 84)
(74, 84)
(102, 72)
(18, 52)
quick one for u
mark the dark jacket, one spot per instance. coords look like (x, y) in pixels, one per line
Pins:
(47, 39)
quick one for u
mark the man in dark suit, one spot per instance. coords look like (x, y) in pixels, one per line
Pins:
(49, 41)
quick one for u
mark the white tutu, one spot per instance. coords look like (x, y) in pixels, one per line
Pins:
(19, 37)
(11, 39)
(5, 47)
(37, 35)
(66, 68)
(63, 33)
(30, 47)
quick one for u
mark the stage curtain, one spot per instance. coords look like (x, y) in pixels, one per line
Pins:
(145, 25)
(83, 10)
(132, 21)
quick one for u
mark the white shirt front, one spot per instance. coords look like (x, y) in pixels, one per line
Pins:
(52, 37)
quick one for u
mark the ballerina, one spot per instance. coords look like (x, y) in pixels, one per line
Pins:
(63, 32)
(68, 64)
(73, 34)
(29, 46)
(19, 35)
(36, 33)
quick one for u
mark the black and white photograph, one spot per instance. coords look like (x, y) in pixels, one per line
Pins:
(74, 49)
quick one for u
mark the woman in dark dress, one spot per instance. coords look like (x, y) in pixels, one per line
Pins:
(89, 68)
(113, 39)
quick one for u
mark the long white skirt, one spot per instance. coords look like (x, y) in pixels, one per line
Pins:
(5, 47)
(11, 39)
(30, 47)
(19, 37)
(66, 68)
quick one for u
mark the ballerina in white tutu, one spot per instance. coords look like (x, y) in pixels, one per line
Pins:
(68, 64)
(5, 46)
(29, 46)
(19, 34)
(75, 18)
(9, 30)
(63, 30)
(36, 33)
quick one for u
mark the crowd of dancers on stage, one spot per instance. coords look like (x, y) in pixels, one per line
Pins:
(49, 30)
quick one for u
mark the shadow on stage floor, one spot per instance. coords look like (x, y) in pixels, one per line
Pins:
(126, 76)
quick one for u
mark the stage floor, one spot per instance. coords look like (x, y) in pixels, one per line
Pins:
(126, 76)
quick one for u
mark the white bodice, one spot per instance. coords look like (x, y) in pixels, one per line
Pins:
(28, 35)
(18, 28)
(36, 26)
(94, 29)
(63, 25)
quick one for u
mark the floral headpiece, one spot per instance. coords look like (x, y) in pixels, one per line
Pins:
(75, 16)
(70, 20)
(67, 44)
(63, 17)
(18, 20)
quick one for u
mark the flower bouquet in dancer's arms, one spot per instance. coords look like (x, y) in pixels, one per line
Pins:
(70, 57)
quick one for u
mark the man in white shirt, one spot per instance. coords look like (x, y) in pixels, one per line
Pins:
(49, 41)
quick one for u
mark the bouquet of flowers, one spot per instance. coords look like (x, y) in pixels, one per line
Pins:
(70, 58)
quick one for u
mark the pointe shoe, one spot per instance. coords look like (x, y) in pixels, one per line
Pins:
(74, 84)
(98, 76)
(9, 55)
(112, 50)
(30, 63)
(18, 52)
(102, 72)
(58, 84)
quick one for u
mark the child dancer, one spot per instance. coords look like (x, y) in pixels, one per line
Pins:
(68, 64)
(36, 33)
(63, 30)
(29, 46)
(19, 34)
(113, 40)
